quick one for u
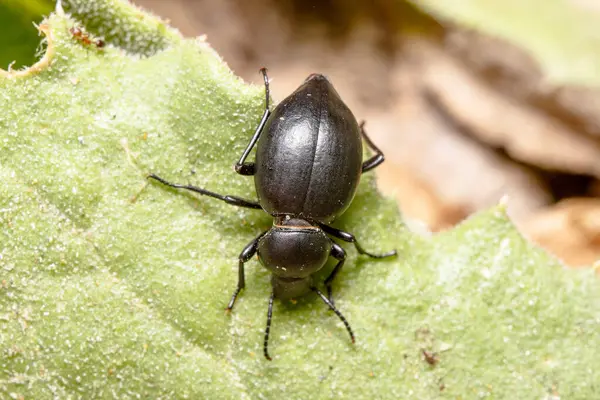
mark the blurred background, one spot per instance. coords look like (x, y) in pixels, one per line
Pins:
(470, 101)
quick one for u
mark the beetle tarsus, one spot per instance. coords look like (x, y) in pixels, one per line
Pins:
(383, 255)
(233, 298)
(263, 71)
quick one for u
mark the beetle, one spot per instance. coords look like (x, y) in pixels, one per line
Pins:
(306, 171)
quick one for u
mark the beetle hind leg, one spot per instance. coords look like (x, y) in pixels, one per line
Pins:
(244, 167)
(378, 158)
(233, 200)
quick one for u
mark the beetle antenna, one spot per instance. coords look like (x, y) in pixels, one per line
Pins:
(263, 71)
(268, 329)
(336, 311)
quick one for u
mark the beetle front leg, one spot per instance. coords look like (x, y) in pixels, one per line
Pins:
(244, 257)
(336, 311)
(378, 158)
(268, 328)
(338, 253)
(348, 237)
(247, 168)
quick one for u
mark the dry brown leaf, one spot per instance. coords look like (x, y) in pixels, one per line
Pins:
(417, 137)
(569, 229)
(526, 134)
(417, 199)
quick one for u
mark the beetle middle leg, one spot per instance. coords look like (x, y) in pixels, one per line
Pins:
(378, 158)
(247, 168)
(233, 200)
(348, 237)
(244, 257)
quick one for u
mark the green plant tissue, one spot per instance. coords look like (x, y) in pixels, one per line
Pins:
(115, 287)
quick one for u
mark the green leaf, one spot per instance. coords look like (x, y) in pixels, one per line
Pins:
(113, 287)
(561, 34)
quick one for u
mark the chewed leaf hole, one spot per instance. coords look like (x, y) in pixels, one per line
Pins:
(45, 60)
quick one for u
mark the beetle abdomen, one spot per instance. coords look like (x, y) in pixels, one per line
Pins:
(309, 155)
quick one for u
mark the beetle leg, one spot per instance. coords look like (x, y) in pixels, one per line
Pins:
(378, 158)
(247, 168)
(268, 328)
(348, 237)
(244, 257)
(338, 253)
(336, 311)
(233, 200)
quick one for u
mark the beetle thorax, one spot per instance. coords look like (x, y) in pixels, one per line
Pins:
(293, 250)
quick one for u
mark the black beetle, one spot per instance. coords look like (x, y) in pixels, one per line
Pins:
(307, 167)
